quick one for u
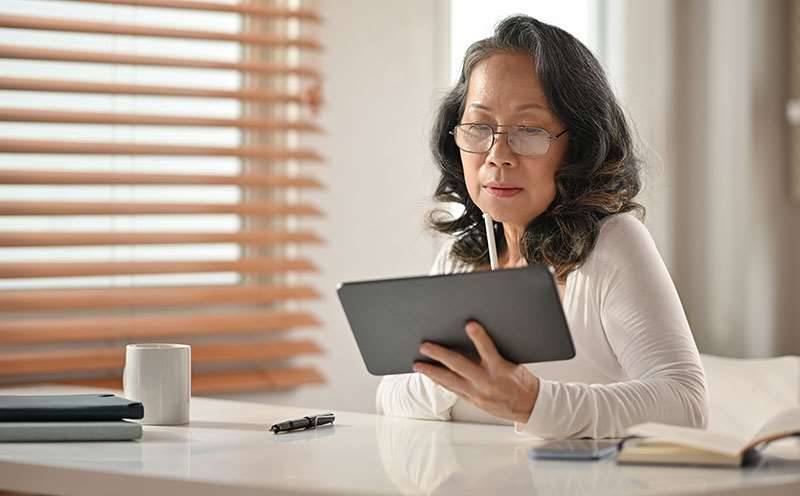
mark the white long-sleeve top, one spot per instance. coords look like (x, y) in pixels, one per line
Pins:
(635, 357)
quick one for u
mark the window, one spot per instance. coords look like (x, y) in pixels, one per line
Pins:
(471, 21)
(150, 187)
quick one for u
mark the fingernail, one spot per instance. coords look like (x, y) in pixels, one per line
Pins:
(415, 367)
(424, 349)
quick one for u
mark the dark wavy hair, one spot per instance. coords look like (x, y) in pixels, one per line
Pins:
(600, 176)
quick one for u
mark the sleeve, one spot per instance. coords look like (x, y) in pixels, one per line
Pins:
(646, 327)
(415, 395)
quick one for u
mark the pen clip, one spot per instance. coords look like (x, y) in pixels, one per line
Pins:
(325, 417)
(317, 418)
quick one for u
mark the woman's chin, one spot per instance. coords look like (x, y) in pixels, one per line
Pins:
(500, 212)
(508, 219)
(514, 214)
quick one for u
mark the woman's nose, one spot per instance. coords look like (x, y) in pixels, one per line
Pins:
(500, 154)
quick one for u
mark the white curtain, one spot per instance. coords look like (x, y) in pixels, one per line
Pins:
(705, 83)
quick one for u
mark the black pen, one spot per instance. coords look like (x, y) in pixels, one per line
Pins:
(303, 423)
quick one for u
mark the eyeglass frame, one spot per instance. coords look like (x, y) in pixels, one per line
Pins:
(551, 138)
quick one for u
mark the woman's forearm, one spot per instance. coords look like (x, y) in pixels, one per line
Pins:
(565, 410)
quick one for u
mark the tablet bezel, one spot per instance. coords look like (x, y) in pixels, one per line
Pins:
(389, 318)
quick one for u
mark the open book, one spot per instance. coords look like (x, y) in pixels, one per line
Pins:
(663, 443)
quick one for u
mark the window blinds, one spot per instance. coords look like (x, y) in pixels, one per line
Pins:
(154, 161)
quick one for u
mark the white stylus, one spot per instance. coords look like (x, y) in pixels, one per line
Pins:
(487, 220)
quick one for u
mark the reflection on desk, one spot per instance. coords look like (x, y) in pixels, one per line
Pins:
(431, 457)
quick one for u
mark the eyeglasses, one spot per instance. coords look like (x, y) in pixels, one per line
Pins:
(523, 140)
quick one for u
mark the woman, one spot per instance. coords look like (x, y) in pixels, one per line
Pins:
(533, 135)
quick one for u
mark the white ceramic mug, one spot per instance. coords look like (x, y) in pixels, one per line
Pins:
(160, 377)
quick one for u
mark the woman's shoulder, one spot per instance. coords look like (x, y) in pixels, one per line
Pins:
(622, 224)
(623, 238)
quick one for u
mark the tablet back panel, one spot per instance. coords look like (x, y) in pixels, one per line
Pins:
(520, 308)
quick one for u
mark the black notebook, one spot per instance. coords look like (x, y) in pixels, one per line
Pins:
(74, 407)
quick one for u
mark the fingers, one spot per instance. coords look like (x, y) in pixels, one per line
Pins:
(495, 385)
(443, 377)
(484, 344)
(454, 361)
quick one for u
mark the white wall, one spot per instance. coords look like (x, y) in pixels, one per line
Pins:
(646, 97)
(383, 64)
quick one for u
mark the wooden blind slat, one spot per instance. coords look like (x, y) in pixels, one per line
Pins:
(75, 269)
(239, 8)
(139, 297)
(135, 327)
(104, 148)
(228, 381)
(262, 350)
(120, 208)
(255, 237)
(80, 331)
(55, 85)
(94, 359)
(32, 53)
(70, 117)
(67, 177)
(77, 26)
(273, 379)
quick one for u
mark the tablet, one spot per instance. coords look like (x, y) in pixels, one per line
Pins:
(520, 309)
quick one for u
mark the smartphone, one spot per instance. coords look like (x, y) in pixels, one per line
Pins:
(576, 449)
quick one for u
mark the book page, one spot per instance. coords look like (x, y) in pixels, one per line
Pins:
(694, 438)
(654, 452)
(784, 424)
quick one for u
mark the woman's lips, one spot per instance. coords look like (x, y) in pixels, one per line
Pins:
(502, 192)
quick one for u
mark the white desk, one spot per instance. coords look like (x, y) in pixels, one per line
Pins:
(226, 449)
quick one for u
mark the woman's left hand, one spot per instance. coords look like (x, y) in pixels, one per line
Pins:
(495, 385)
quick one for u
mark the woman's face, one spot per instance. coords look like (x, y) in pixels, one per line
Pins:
(503, 89)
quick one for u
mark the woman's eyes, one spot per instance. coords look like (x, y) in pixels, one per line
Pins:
(485, 129)
(530, 130)
(479, 129)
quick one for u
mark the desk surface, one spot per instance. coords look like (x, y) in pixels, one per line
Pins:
(227, 447)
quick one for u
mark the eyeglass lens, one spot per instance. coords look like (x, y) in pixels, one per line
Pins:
(479, 138)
